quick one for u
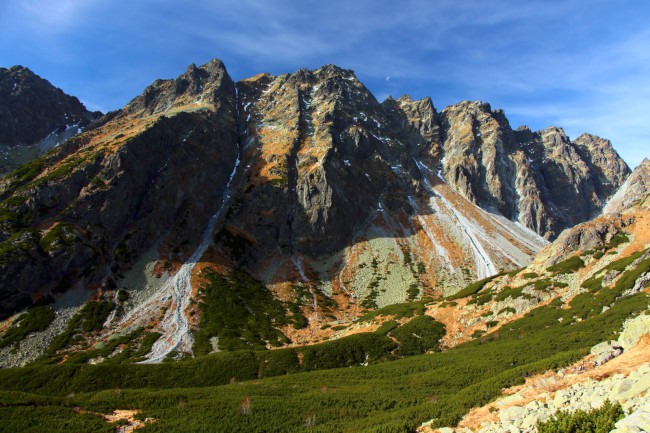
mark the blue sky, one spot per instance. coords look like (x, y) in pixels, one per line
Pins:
(583, 65)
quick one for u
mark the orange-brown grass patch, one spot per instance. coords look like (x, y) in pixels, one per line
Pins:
(255, 77)
(276, 145)
(641, 230)
(104, 140)
(456, 332)
(454, 250)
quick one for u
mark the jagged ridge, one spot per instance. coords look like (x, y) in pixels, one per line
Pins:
(363, 203)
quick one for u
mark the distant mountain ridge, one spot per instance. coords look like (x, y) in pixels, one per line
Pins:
(335, 202)
(31, 108)
(35, 116)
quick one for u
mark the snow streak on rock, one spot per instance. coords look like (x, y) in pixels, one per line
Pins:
(491, 238)
(484, 265)
(176, 295)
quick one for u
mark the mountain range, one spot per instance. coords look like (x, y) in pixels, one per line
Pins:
(301, 179)
(293, 223)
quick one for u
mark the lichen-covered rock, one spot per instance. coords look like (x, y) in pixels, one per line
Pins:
(633, 330)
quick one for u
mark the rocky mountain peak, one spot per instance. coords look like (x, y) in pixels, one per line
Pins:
(31, 108)
(333, 71)
(202, 86)
(606, 164)
(470, 107)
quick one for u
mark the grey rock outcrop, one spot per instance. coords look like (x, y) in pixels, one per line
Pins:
(634, 191)
(541, 179)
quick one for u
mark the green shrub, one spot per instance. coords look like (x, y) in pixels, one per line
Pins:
(600, 420)
(34, 319)
(386, 327)
(24, 174)
(95, 314)
(618, 239)
(355, 349)
(277, 362)
(122, 296)
(471, 289)
(412, 292)
(60, 235)
(398, 311)
(510, 292)
(621, 264)
(543, 285)
(240, 311)
(483, 297)
(146, 345)
(91, 317)
(447, 304)
(627, 280)
(21, 246)
(593, 284)
(530, 275)
(567, 266)
(419, 336)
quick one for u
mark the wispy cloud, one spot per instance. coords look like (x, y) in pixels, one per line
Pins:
(53, 15)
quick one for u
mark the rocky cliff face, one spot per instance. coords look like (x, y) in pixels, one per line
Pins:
(143, 175)
(35, 116)
(336, 202)
(541, 179)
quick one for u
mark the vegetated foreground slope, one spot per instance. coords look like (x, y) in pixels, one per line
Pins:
(334, 203)
(576, 294)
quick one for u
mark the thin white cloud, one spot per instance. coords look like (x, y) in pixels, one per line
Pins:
(54, 16)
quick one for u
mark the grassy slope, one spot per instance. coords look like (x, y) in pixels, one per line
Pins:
(293, 389)
(393, 396)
